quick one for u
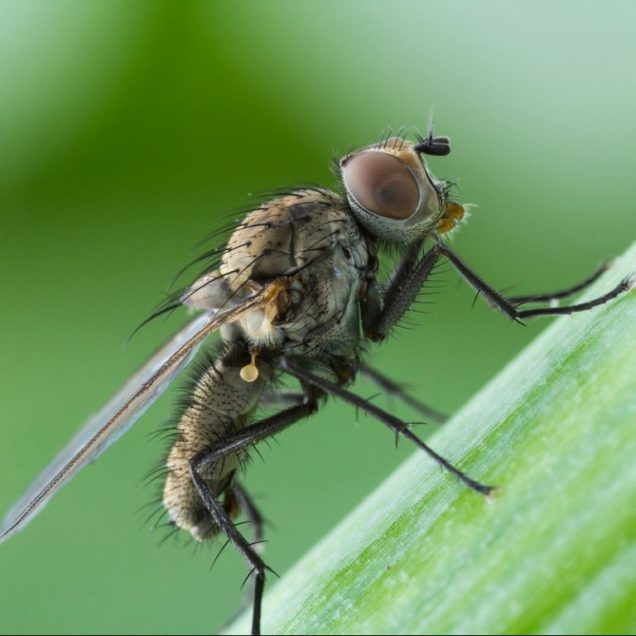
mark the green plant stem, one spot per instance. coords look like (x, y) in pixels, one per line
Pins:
(554, 551)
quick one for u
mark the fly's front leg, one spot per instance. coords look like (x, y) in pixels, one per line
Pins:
(405, 286)
(509, 305)
(382, 311)
(559, 295)
(376, 299)
(233, 444)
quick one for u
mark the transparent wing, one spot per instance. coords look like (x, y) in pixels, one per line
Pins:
(123, 409)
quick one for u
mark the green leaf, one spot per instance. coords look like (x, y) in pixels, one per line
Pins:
(554, 551)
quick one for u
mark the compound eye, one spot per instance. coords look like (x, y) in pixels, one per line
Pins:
(381, 184)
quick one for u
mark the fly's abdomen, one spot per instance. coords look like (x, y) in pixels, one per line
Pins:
(219, 403)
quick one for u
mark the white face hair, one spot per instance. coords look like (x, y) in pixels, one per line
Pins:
(391, 191)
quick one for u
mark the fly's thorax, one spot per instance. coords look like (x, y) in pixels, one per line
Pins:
(308, 240)
(264, 245)
(393, 194)
(285, 235)
(326, 319)
(219, 403)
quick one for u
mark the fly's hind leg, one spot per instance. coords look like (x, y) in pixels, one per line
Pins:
(233, 444)
(280, 399)
(247, 506)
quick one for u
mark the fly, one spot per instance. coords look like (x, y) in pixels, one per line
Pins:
(294, 292)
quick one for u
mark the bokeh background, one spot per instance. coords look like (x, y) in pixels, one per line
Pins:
(127, 132)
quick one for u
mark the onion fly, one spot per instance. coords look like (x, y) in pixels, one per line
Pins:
(296, 291)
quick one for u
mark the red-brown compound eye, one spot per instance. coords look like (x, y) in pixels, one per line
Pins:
(381, 184)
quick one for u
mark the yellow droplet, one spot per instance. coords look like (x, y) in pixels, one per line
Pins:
(249, 373)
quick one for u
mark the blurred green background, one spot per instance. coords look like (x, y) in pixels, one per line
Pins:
(128, 130)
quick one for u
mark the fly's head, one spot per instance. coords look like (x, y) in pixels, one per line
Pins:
(392, 192)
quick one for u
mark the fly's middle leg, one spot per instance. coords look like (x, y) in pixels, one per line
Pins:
(395, 424)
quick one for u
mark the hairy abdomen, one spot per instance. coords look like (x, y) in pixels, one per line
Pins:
(219, 403)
